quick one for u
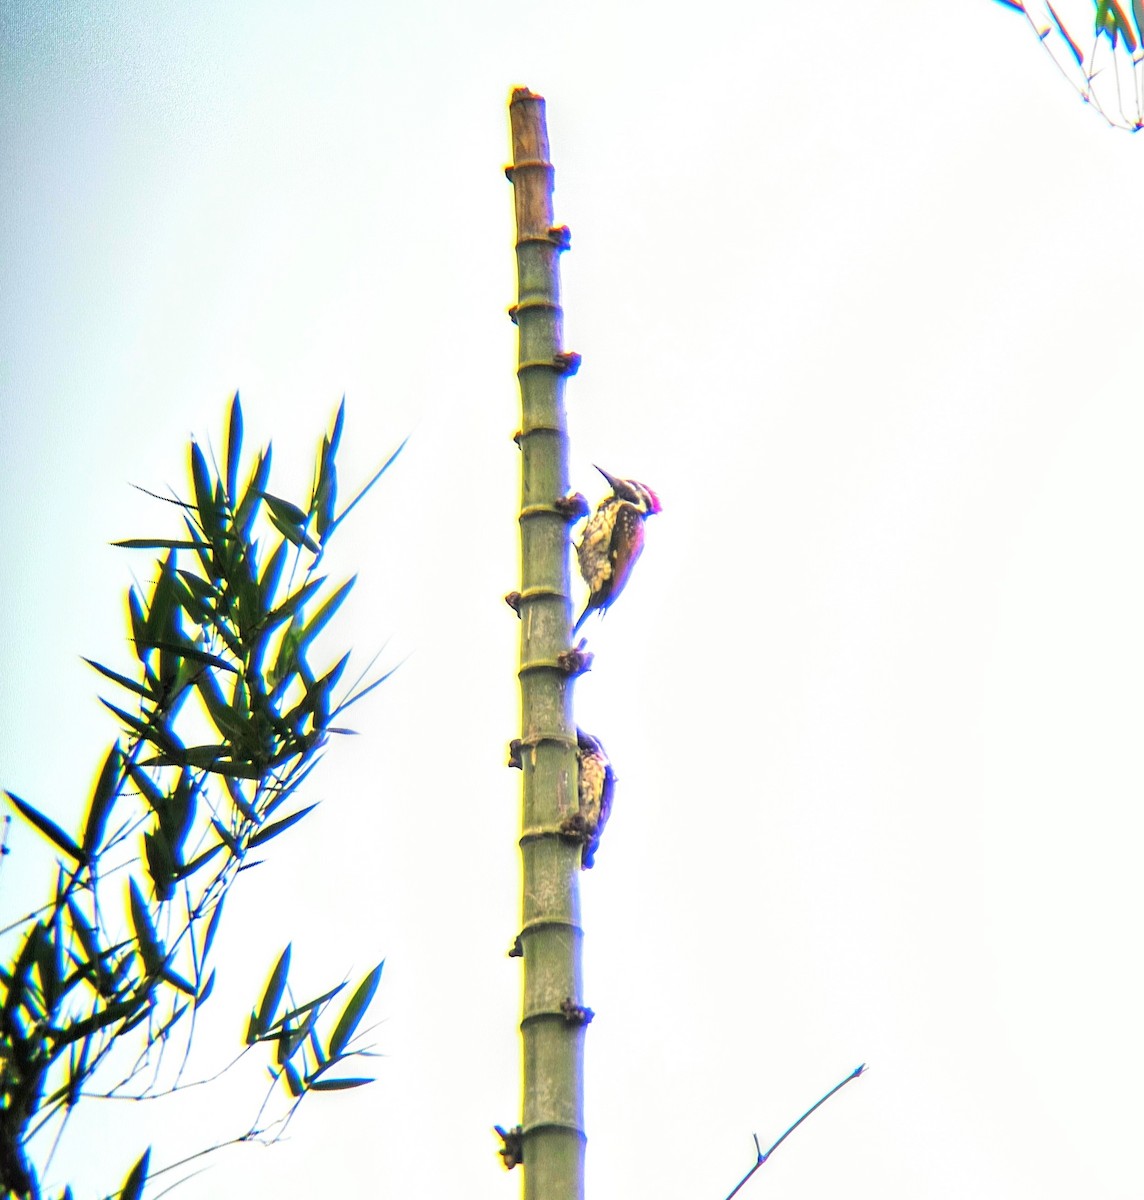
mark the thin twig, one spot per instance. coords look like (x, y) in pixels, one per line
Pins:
(762, 1158)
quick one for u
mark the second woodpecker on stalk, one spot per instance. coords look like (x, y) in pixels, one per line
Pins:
(612, 541)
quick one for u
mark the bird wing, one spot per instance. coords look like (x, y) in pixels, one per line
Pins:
(627, 545)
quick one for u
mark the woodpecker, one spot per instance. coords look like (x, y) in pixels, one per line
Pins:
(597, 783)
(612, 541)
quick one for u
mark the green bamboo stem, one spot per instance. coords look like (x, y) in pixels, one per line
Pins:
(553, 1135)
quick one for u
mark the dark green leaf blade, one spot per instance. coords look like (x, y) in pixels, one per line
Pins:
(103, 798)
(233, 450)
(137, 1179)
(275, 828)
(149, 946)
(354, 1011)
(47, 827)
(275, 986)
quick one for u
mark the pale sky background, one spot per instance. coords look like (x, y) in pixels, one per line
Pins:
(858, 293)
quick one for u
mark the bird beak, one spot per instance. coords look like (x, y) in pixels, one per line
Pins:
(610, 478)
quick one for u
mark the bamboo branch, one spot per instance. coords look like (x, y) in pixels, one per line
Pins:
(762, 1158)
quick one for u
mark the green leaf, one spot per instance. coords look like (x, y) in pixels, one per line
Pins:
(212, 927)
(354, 1011)
(294, 601)
(289, 514)
(248, 508)
(318, 621)
(1076, 53)
(337, 1085)
(361, 495)
(137, 1179)
(103, 798)
(205, 992)
(233, 450)
(271, 574)
(184, 649)
(224, 833)
(204, 496)
(277, 827)
(138, 624)
(275, 986)
(116, 1011)
(48, 966)
(336, 432)
(1123, 26)
(122, 680)
(160, 864)
(150, 947)
(48, 828)
(293, 1080)
(198, 862)
(295, 534)
(177, 980)
(230, 724)
(154, 544)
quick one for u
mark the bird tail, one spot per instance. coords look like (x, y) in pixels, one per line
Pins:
(582, 618)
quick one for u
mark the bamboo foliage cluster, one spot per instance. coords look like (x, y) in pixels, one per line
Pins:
(223, 721)
(1108, 71)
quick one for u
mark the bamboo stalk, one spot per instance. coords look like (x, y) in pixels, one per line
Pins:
(552, 1021)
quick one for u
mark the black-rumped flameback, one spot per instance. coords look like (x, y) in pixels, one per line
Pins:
(613, 540)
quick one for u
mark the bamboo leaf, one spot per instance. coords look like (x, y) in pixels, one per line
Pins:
(338, 1085)
(184, 649)
(361, 495)
(122, 680)
(177, 980)
(137, 1179)
(47, 966)
(318, 621)
(224, 833)
(1076, 52)
(198, 862)
(117, 1011)
(294, 601)
(154, 544)
(1121, 23)
(293, 533)
(293, 1079)
(212, 927)
(103, 798)
(151, 793)
(204, 496)
(336, 432)
(233, 450)
(138, 624)
(150, 948)
(207, 988)
(248, 508)
(275, 986)
(271, 574)
(354, 1011)
(160, 864)
(289, 513)
(48, 828)
(277, 827)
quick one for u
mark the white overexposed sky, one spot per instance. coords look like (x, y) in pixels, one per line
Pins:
(858, 294)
